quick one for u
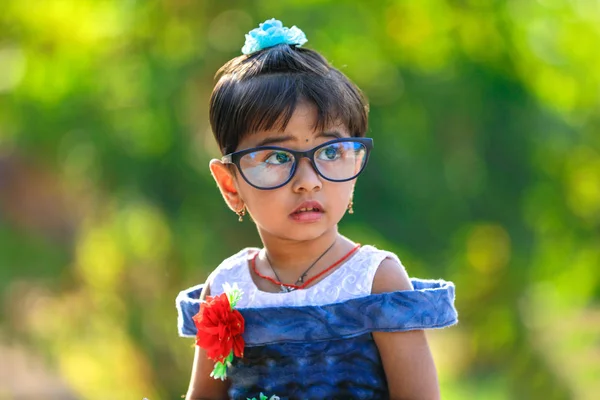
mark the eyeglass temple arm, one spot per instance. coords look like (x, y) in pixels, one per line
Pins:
(226, 159)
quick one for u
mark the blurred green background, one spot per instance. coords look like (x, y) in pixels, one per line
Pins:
(486, 172)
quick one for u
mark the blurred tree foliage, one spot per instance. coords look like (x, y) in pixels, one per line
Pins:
(486, 171)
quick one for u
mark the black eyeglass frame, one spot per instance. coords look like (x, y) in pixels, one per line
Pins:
(234, 158)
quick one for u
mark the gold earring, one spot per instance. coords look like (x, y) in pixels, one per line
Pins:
(241, 213)
(350, 209)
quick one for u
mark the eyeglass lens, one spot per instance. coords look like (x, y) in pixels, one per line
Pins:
(269, 168)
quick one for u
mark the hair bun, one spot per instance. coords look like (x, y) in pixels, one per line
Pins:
(271, 33)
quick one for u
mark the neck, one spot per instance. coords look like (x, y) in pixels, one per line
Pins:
(293, 255)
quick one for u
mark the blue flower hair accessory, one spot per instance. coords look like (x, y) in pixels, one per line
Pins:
(271, 33)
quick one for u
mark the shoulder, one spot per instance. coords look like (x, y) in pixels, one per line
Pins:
(230, 269)
(235, 260)
(390, 276)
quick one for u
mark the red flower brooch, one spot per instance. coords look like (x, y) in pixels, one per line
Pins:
(220, 328)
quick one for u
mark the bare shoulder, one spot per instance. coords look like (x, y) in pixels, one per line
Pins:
(405, 355)
(391, 277)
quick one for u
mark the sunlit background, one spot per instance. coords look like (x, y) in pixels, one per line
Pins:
(486, 172)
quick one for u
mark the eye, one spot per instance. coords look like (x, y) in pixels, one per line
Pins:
(330, 153)
(278, 158)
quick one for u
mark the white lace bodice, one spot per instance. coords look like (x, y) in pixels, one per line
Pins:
(352, 279)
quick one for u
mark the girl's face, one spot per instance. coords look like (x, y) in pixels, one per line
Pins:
(285, 212)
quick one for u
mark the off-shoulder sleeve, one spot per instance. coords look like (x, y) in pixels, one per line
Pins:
(188, 305)
(429, 306)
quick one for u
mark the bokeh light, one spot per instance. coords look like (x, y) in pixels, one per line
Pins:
(485, 171)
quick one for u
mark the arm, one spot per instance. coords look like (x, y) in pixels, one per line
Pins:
(202, 386)
(406, 358)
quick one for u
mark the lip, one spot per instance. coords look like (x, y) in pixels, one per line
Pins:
(310, 204)
(308, 216)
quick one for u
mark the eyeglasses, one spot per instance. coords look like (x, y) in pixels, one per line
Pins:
(271, 167)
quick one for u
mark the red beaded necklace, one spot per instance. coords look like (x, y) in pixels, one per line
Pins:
(308, 282)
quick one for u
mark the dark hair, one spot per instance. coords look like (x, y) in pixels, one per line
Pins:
(260, 91)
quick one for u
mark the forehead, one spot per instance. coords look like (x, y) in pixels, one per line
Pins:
(301, 129)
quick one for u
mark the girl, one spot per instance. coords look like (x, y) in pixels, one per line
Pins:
(317, 316)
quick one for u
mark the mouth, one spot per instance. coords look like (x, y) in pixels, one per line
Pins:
(309, 206)
(309, 211)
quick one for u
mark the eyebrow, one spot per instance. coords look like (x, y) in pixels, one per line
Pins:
(281, 139)
(331, 134)
(275, 140)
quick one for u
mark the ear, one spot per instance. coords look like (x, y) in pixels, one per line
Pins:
(227, 185)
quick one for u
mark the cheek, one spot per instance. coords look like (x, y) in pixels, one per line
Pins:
(267, 205)
(340, 190)
(338, 195)
(262, 202)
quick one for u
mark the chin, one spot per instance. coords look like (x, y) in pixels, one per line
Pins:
(300, 232)
(308, 233)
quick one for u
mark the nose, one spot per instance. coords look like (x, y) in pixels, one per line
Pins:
(306, 178)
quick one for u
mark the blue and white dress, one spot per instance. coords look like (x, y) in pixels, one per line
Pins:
(316, 343)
